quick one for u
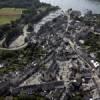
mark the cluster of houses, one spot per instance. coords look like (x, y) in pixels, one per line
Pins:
(64, 73)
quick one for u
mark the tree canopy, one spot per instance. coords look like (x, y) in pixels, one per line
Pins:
(19, 3)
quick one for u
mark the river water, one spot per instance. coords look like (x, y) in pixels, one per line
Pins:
(81, 5)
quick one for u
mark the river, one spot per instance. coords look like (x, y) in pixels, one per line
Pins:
(81, 5)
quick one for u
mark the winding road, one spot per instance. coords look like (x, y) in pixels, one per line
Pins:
(19, 42)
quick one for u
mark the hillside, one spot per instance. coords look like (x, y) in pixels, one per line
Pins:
(19, 3)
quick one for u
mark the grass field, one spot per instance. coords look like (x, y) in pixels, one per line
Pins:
(9, 14)
(7, 19)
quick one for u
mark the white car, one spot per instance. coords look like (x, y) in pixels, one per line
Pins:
(95, 63)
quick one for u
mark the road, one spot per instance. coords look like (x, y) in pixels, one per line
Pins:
(82, 55)
(13, 49)
(19, 43)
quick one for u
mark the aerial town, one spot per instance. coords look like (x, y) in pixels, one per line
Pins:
(53, 55)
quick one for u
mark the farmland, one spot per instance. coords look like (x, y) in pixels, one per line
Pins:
(9, 14)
